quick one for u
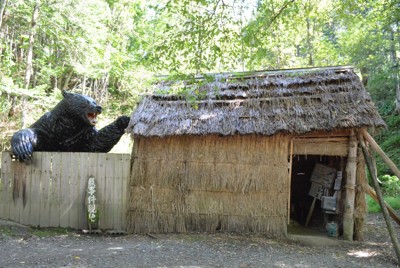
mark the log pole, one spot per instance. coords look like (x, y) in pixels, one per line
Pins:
(378, 191)
(381, 153)
(360, 206)
(351, 167)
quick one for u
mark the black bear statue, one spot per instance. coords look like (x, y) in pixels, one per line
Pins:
(68, 127)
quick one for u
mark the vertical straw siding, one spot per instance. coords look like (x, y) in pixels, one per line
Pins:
(51, 190)
(209, 183)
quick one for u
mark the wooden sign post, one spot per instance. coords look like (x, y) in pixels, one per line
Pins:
(91, 205)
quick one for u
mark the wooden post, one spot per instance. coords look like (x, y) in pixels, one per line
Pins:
(290, 178)
(310, 212)
(348, 215)
(378, 191)
(360, 205)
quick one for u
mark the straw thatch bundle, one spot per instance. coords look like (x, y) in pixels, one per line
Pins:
(295, 101)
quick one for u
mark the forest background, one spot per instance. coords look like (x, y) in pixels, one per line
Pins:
(113, 49)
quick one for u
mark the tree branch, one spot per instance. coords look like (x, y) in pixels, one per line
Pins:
(272, 20)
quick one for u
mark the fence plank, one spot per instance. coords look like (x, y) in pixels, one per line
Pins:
(109, 184)
(116, 199)
(45, 191)
(35, 189)
(6, 186)
(125, 186)
(74, 191)
(17, 191)
(83, 174)
(101, 189)
(25, 210)
(65, 193)
(55, 190)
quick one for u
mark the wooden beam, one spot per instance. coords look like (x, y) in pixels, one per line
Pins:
(290, 177)
(378, 191)
(381, 153)
(325, 134)
(310, 211)
(321, 146)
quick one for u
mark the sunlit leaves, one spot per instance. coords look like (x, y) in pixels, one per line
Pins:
(196, 36)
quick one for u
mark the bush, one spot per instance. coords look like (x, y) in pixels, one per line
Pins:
(390, 185)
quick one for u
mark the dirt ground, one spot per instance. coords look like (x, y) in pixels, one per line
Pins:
(21, 246)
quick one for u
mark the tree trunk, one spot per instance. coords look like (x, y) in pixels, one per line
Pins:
(398, 95)
(309, 45)
(3, 4)
(395, 65)
(67, 79)
(397, 36)
(29, 57)
(364, 76)
(308, 8)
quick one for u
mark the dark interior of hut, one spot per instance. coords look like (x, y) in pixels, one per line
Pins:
(303, 193)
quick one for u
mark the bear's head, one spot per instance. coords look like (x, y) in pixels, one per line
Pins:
(81, 107)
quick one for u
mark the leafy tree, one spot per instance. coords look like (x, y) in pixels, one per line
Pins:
(195, 36)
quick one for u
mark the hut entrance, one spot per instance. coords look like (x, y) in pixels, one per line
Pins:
(313, 177)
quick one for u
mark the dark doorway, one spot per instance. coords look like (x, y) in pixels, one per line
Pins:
(300, 200)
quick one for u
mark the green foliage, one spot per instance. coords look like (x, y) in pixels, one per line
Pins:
(390, 185)
(373, 206)
(194, 36)
(39, 232)
(47, 232)
(388, 139)
(188, 87)
(95, 220)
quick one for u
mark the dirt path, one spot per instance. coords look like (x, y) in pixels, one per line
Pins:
(24, 247)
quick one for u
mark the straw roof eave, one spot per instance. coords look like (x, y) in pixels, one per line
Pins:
(324, 100)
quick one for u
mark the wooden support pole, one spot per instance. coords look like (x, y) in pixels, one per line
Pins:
(378, 191)
(381, 153)
(360, 205)
(310, 212)
(290, 178)
(351, 167)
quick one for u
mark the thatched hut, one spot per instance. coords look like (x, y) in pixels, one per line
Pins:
(239, 154)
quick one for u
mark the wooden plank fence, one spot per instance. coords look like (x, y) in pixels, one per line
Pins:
(50, 191)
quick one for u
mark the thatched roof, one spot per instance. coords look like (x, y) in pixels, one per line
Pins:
(293, 101)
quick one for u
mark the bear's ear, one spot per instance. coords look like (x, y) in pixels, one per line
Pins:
(65, 93)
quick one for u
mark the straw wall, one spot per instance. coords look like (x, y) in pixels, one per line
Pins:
(209, 183)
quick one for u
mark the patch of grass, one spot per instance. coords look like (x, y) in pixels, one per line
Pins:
(6, 230)
(46, 232)
(373, 207)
